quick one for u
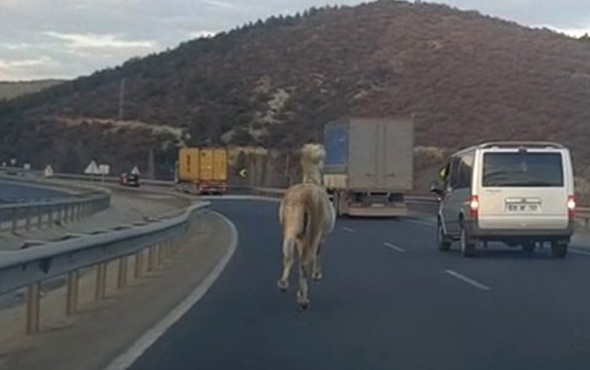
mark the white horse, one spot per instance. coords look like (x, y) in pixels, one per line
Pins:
(307, 217)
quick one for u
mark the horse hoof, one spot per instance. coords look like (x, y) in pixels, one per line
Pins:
(304, 305)
(317, 276)
(283, 285)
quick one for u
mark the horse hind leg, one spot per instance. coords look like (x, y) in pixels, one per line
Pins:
(302, 293)
(316, 273)
(288, 259)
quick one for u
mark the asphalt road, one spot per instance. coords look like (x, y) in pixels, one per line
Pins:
(18, 193)
(389, 300)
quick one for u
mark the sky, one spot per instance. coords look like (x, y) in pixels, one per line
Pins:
(68, 38)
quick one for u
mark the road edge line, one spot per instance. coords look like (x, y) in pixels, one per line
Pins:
(133, 353)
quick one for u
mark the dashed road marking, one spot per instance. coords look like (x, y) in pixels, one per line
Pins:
(394, 247)
(467, 280)
(348, 229)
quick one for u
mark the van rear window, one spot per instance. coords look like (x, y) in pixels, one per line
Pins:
(523, 169)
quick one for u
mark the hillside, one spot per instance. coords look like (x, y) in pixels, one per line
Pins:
(11, 90)
(465, 77)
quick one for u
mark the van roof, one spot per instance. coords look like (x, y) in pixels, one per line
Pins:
(514, 145)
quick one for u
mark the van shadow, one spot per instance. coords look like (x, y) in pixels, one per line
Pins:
(504, 253)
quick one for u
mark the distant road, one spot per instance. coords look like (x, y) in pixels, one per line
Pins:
(16, 193)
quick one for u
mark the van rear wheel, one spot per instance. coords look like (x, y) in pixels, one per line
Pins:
(559, 248)
(443, 242)
(467, 245)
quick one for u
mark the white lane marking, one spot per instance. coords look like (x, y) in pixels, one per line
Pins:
(126, 359)
(348, 229)
(394, 247)
(467, 280)
(577, 251)
(420, 222)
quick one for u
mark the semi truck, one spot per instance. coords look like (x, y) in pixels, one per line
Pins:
(369, 165)
(203, 170)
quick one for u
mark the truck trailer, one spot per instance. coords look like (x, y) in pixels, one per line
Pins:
(369, 165)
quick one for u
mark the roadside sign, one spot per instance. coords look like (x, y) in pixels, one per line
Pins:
(104, 169)
(27, 166)
(48, 171)
(135, 171)
(92, 169)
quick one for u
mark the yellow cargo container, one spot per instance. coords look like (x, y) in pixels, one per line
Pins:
(205, 167)
(188, 165)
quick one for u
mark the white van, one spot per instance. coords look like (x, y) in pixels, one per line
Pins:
(519, 193)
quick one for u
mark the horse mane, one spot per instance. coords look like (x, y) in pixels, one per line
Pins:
(312, 163)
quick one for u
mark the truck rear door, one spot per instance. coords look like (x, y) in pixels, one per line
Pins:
(206, 165)
(220, 165)
(363, 160)
(397, 150)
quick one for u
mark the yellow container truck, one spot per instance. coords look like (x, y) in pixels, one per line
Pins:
(205, 169)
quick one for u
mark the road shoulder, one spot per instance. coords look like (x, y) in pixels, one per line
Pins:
(101, 332)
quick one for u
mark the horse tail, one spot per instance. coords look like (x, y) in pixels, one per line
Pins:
(313, 216)
(294, 220)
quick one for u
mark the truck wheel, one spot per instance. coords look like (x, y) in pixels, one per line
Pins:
(441, 239)
(336, 203)
(467, 245)
(528, 247)
(559, 248)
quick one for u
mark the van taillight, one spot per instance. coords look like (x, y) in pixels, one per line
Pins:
(474, 205)
(571, 206)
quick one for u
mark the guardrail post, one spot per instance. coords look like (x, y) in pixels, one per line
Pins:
(122, 281)
(73, 213)
(14, 220)
(166, 250)
(161, 254)
(101, 281)
(50, 222)
(72, 297)
(64, 214)
(28, 219)
(79, 211)
(586, 221)
(39, 217)
(139, 265)
(151, 258)
(33, 308)
(170, 249)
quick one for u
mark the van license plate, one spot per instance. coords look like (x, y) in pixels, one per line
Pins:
(523, 207)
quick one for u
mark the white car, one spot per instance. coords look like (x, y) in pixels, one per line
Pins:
(519, 193)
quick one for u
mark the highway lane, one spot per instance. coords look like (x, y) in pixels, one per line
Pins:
(389, 300)
(11, 192)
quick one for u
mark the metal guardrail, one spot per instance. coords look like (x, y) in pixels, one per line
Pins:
(584, 214)
(39, 214)
(30, 267)
(19, 172)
